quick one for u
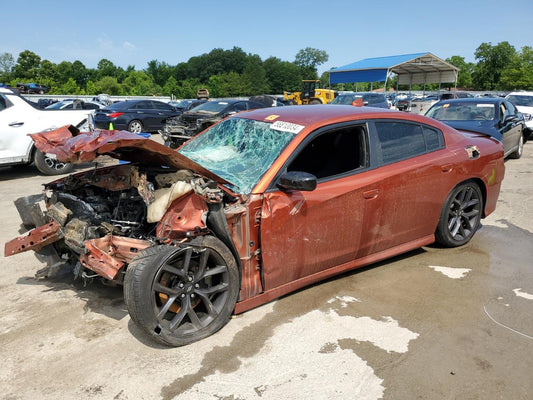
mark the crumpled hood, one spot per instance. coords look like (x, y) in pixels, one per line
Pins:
(71, 145)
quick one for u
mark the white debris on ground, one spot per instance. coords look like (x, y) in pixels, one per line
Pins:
(454, 273)
(277, 371)
(525, 295)
(344, 300)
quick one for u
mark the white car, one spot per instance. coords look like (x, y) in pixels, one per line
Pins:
(18, 118)
(524, 102)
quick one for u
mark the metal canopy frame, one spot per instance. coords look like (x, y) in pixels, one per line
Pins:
(418, 68)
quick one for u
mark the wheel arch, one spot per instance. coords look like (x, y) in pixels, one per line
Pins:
(482, 187)
(216, 221)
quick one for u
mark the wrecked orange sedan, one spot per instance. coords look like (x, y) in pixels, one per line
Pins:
(259, 205)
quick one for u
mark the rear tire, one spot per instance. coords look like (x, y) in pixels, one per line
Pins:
(50, 166)
(135, 126)
(179, 295)
(460, 215)
(314, 102)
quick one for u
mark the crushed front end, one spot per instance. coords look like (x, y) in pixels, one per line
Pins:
(94, 223)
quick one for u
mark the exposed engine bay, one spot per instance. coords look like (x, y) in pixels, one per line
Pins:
(95, 222)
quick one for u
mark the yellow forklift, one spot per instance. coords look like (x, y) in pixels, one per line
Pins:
(310, 94)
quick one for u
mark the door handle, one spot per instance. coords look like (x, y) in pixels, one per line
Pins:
(446, 167)
(371, 194)
(16, 124)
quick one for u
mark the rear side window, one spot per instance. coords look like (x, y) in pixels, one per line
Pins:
(433, 138)
(143, 105)
(400, 140)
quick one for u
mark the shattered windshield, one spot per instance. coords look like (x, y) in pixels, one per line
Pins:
(238, 150)
(462, 111)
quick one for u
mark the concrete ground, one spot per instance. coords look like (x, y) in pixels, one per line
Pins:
(431, 324)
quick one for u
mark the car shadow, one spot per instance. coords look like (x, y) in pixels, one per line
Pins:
(107, 300)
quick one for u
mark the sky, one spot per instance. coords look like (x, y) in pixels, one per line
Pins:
(135, 32)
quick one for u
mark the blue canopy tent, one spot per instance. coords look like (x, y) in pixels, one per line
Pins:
(417, 68)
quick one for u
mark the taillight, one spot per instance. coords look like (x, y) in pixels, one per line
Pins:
(115, 114)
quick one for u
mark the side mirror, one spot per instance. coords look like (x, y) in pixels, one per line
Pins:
(297, 180)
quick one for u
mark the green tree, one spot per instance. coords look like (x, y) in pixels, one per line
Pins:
(254, 76)
(7, 62)
(91, 88)
(28, 64)
(492, 60)
(171, 87)
(106, 68)
(139, 83)
(64, 70)
(160, 71)
(70, 87)
(519, 72)
(79, 73)
(282, 75)
(464, 77)
(187, 88)
(230, 84)
(308, 60)
(109, 85)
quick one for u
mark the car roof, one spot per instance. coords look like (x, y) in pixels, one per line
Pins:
(475, 100)
(325, 114)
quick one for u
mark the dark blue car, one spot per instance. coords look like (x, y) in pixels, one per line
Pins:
(494, 117)
(135, 115)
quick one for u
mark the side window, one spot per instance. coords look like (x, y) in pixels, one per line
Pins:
(399, 141)
(433, 138)
(161, 106)
(504, 112)
(143, 105)
(334, 152)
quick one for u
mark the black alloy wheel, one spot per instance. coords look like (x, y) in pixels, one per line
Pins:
(460, 215)
(180, 295)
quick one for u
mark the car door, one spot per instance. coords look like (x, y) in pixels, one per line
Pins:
(15, 124)
(306, 232)
(163, 112)
(414, 174)
(145, 112)
(510, 128)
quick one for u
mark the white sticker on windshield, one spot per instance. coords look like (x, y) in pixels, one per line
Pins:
(287, 127)
(485, 105)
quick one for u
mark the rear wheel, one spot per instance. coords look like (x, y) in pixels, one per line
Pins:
(50, 166)
(460, 215)
(135, 126)
(315, 101)
(179, 295)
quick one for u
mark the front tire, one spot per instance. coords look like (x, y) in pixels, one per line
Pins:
(50, 166)
(460, 215)
(179, 295)
(135, 126)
